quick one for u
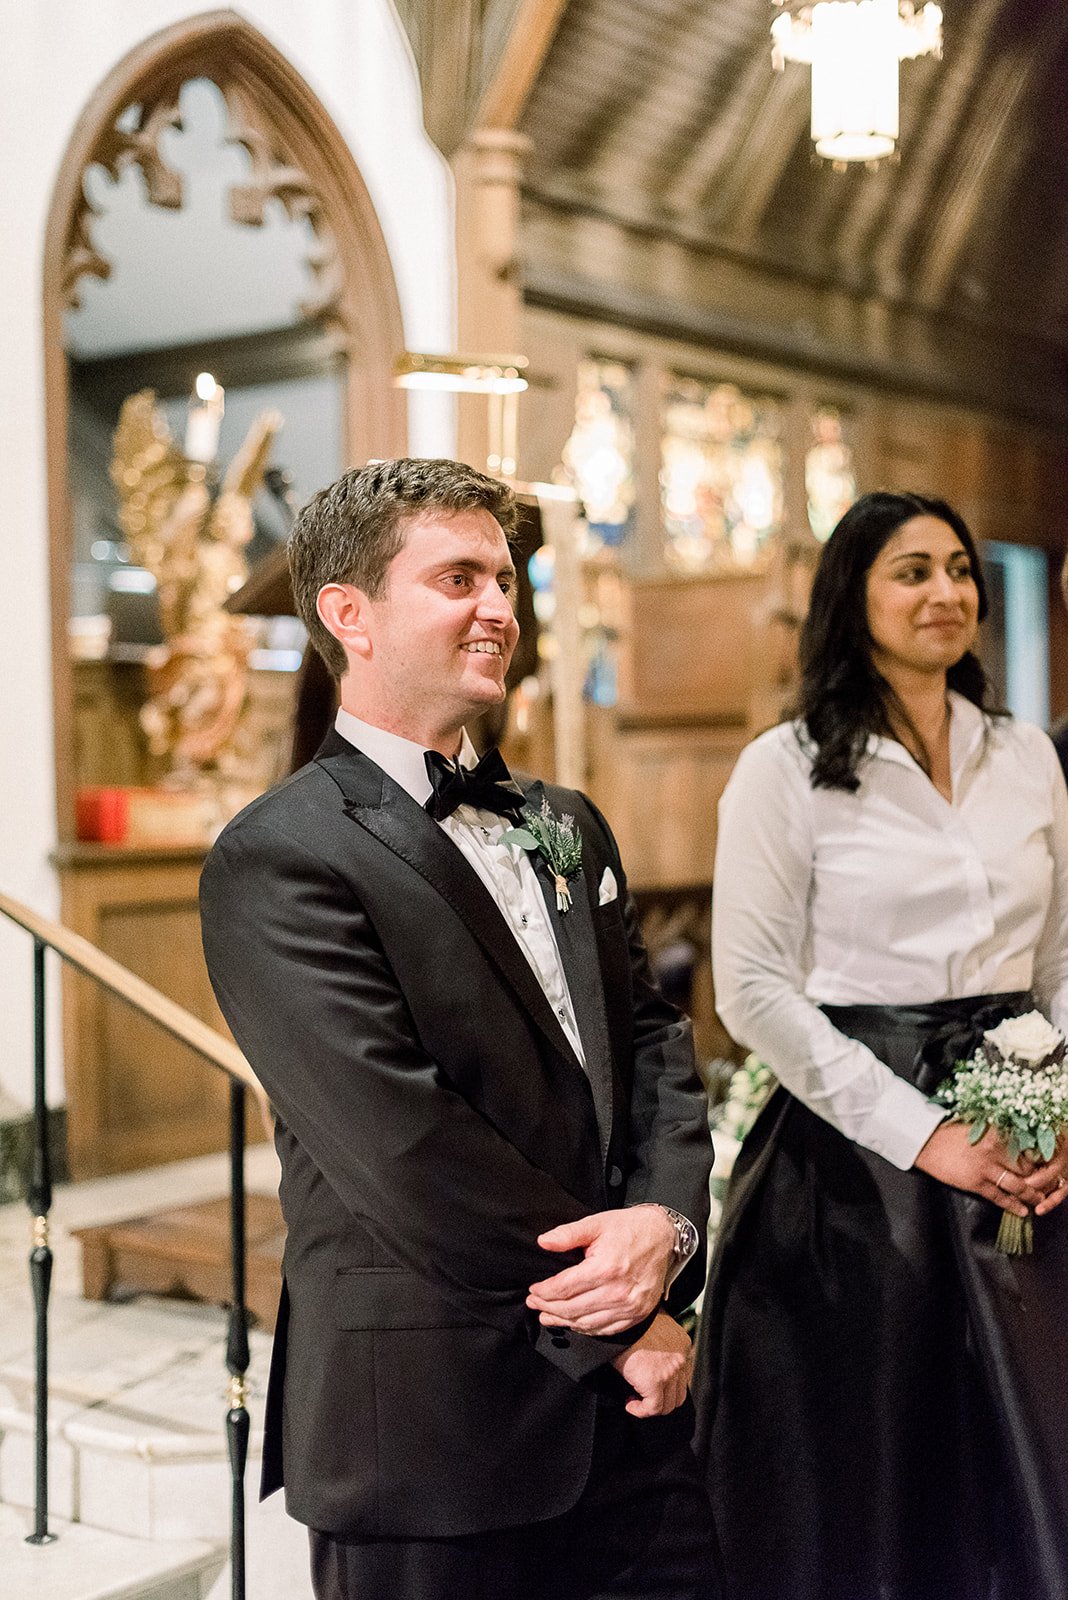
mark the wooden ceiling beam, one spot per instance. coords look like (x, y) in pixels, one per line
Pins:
(529, 40)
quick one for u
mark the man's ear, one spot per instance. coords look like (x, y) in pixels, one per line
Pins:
(342, 610)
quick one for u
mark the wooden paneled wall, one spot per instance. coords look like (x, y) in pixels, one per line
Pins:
(704, 663)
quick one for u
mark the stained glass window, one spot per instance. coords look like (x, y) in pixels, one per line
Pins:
(599, 455)
(721, 474)
(830, 484)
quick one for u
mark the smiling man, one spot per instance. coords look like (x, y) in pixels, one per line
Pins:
(494, 1144)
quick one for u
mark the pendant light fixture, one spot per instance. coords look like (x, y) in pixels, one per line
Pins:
(854, 48)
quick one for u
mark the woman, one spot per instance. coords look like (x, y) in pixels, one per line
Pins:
(882, 1398)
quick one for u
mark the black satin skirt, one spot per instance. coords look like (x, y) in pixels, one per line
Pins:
(882, 1397)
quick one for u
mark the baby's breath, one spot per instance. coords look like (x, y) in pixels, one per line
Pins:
(1026, 1105)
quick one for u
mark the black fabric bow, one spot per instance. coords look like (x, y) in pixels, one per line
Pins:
(489, 786)
(960, 1036)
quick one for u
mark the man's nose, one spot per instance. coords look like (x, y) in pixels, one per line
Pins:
(495, 605)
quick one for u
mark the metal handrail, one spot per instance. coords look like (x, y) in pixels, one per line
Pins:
(222, 1053)
(170, 1016)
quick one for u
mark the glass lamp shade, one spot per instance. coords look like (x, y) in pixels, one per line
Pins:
(854, 79)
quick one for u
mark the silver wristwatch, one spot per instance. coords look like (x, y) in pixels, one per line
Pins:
(685, 1234)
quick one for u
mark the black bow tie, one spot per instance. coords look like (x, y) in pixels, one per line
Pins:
(489, 786)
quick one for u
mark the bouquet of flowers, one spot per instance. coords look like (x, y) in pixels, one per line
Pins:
(1017, 1083)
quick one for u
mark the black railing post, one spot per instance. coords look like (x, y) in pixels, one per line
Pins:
(237, 1351)
(40, 1201)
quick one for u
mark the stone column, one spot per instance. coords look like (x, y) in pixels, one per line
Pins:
(487, 171)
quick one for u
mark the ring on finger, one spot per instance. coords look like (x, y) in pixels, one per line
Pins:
(1062, 1183)
(1000, 1180)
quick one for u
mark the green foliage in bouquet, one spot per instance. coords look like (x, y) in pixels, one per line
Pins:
(1015, 1083)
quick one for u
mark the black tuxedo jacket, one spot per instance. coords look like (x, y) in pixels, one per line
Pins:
(432, 1121)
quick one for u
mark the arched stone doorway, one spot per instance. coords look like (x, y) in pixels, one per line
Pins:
(135, 1097)
(299, 159)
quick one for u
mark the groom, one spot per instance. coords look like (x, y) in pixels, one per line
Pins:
(493, 1141)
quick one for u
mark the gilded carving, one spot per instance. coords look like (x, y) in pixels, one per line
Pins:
(194, 547)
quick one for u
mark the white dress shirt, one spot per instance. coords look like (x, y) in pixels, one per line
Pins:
(892, 895)
(505, 870)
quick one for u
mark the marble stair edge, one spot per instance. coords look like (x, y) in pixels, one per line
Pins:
(138, 1449)
(88, 1564)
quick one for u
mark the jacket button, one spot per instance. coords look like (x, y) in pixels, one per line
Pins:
(561, 1341)
(615, 1177)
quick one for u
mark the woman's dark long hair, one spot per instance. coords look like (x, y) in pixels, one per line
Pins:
(842, 698)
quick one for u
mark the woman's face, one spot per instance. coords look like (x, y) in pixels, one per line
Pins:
(923, 604)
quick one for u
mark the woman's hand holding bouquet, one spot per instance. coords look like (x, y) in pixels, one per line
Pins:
(1011, 1095)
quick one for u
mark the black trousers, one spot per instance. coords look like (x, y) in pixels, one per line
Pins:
(641, 1530)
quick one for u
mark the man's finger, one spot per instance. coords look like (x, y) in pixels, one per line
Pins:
(607, 1325)
(579, 1305)
(646, 1405)
(570, 1235)
(579, 1279)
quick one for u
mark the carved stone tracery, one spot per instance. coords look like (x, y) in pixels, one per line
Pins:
(133, 140)
(273, 177)
(138, 146)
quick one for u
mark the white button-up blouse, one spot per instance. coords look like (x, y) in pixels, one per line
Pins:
(892, 895)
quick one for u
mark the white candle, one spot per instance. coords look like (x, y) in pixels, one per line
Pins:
(204, 419)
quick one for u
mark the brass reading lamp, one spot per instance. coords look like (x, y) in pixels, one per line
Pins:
(500, 378)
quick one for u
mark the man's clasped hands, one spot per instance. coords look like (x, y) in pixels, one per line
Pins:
(619, 1282)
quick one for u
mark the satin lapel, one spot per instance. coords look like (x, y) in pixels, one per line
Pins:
(376, 803)
(576, 939)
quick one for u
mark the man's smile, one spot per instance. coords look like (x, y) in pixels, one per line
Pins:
(486, 647)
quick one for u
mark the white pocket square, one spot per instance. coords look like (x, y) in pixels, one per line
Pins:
(609, 889)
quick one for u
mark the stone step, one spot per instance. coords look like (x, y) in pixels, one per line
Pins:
(136, 1421)
(87, 1564)
(137, 1437)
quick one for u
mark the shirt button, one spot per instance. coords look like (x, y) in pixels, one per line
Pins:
(561, 1012)
(523, 920)
(485, 833)
(615, 1177)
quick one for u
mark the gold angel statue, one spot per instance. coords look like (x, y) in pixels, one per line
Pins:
(194, 547)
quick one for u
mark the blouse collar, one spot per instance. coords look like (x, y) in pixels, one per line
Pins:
(967, 728)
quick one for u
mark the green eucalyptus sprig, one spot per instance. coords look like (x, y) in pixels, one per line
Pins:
(557, 841)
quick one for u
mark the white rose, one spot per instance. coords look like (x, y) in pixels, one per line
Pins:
(1028, 1039)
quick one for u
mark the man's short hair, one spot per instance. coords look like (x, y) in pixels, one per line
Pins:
(350, 531)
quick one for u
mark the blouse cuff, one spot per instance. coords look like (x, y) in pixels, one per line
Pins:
(901, 1124)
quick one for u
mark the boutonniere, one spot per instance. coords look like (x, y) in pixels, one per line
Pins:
(557, 841)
